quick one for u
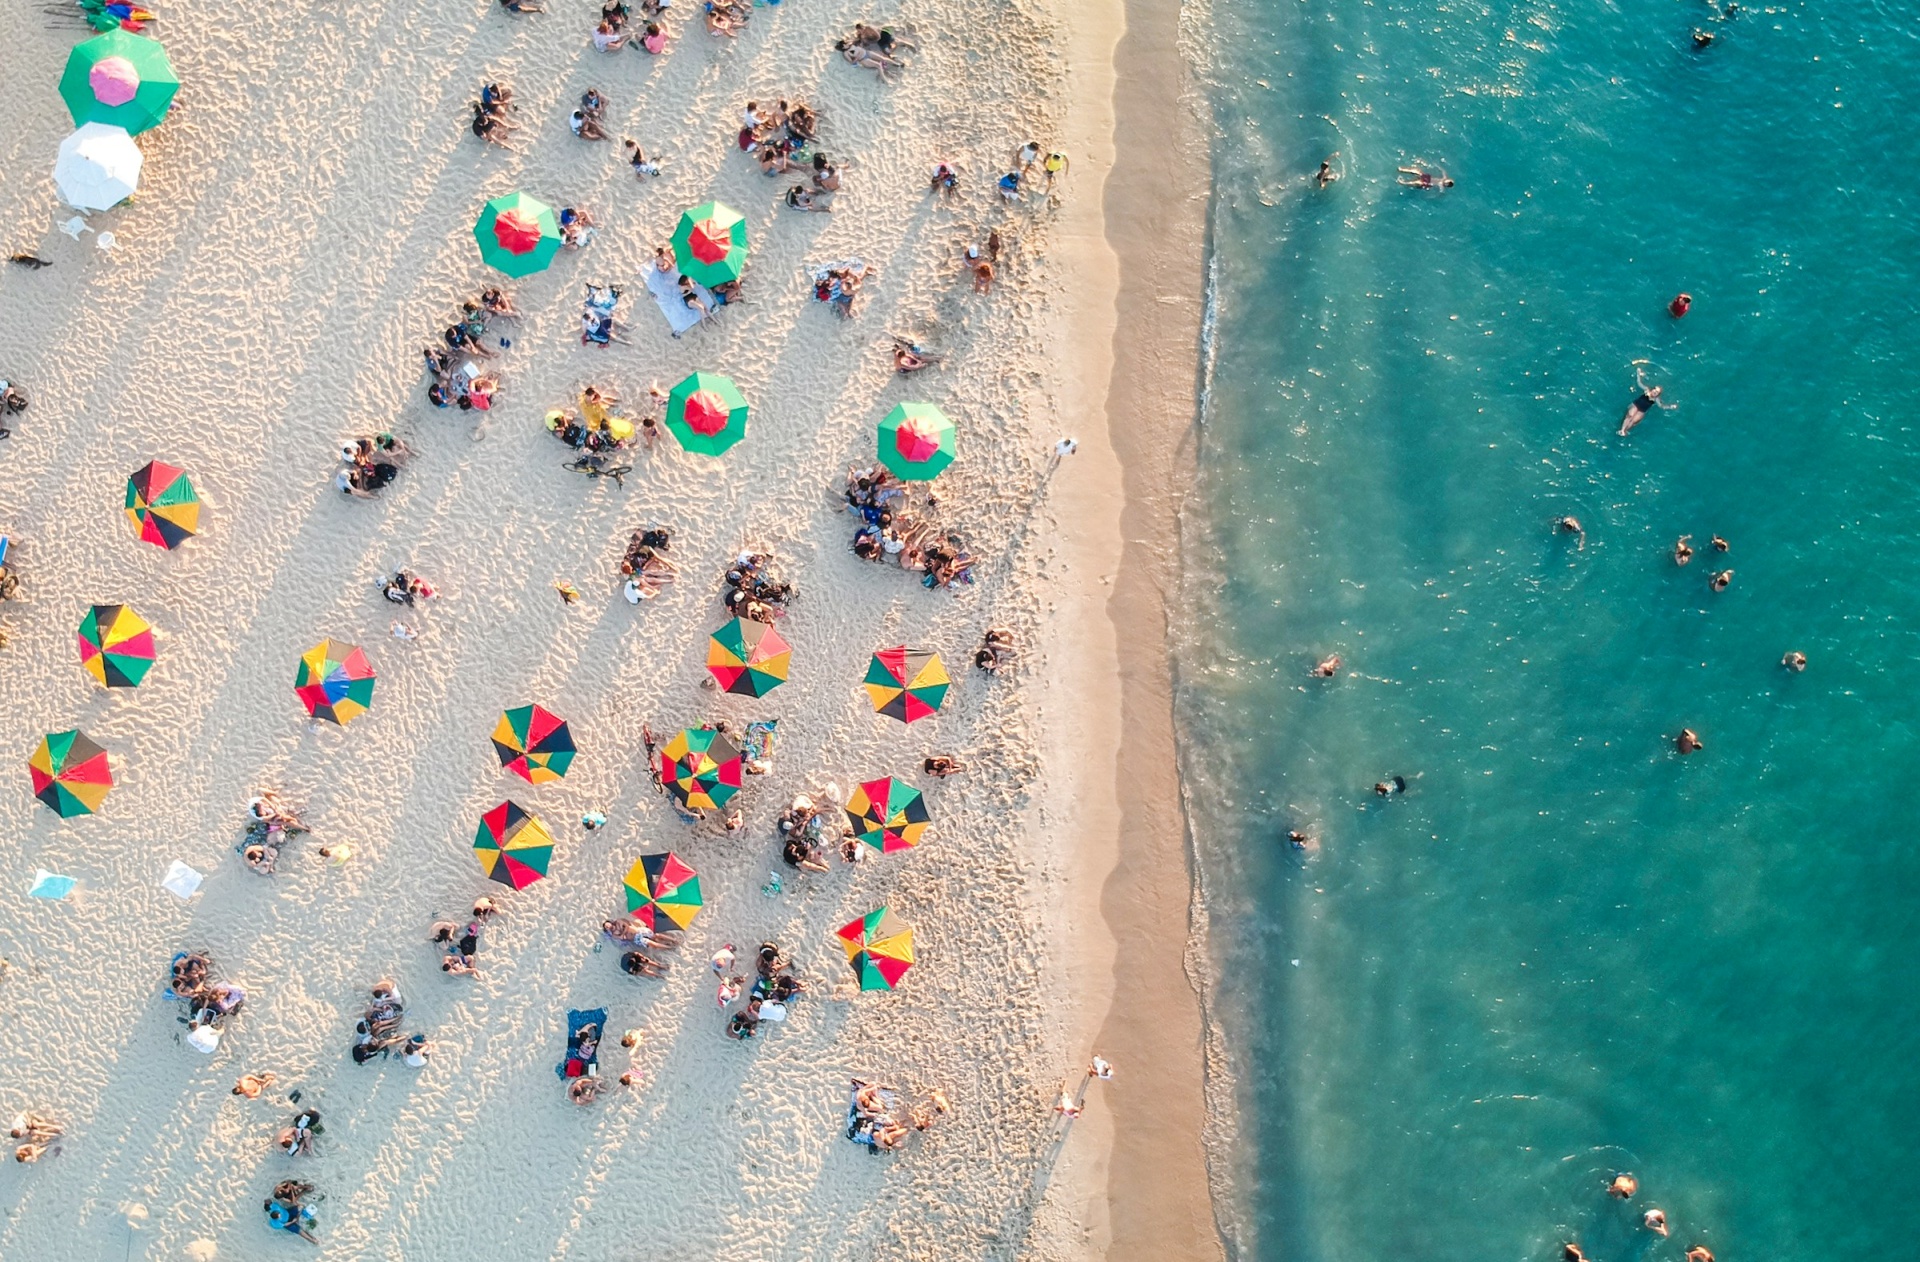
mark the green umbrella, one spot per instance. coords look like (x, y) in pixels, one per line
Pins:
(518, 234)
(710, 244)
(916, 441)
(120, 79)
(707, 413)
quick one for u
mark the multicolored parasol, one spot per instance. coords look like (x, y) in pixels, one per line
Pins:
(120, 79)
(916, 441)
(70, 774)
(710, 243)
(701, 768)
(749, 658)
(162, 503)
(513, 846)
(334, 682)
(116, 646)
(888, 814)
(707, 413)
(662, 891)
(518, 234)
(907, 684)
(880, 947)
(534, 744)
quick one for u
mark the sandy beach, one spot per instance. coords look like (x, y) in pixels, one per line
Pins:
(303, 229)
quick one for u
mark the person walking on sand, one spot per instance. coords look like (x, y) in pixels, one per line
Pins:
(1100, 1068)
(1061, 450)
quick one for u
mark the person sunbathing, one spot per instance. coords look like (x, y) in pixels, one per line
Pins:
(867, 58)
(774, 161)
(640, 964)
(946, 178)
(35, 1128)
(522, 6)
(942, 765)
(801, 198)
(251, 1085)
(721, 21)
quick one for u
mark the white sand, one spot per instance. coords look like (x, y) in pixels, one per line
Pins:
(304, 227)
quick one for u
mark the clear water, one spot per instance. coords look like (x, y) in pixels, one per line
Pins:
(1566, 950)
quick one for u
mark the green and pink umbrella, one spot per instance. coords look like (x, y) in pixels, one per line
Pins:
(518, 234)
(120, 79)
(707, 413)
(916, 441)
(710, 243)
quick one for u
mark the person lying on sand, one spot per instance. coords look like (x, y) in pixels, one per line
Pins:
(640, 964)
(884, 38)
(867, 59)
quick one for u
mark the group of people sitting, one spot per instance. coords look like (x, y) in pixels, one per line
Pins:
(638, 939)
(402, 588)
(751, 591)
(805, 826)
(290, 1208)
(645, 565)
(890, 534)
(13, 401)
(996, 647)
(597, 324)
(462, 942)
(595, 428)
(876, 1119)
(36, 1134)
(875, 48)
(369, 463)
(456, 371)
(270, 825)
(910, 357)
(209, 1002)
(493, 115)
(378, 1032)
(296, 1138)
(727, 17)
(690, 296)
(615, 30)
(587, 116)
(838, 284)
(775, 990)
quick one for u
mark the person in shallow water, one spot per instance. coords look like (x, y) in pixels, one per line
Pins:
(1625, 1185)
(1686, 743)
(1387, 788)
(1646, 401)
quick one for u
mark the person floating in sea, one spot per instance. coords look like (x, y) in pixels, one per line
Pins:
(1624, 1185)
(1682, 550)
(1720, 545)
(1681, 304)
(1655, 1220)
(1327, 667)
(1326, 174)
(1572, 526)
(1686, 743)
(1699, 1253)
(1721, 581)
(1646, 401)
(1795, 661)
(1419, 177)
(1387, 788)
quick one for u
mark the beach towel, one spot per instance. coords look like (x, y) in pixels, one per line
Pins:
(571, 1066)
(666, 292)
(759, 741)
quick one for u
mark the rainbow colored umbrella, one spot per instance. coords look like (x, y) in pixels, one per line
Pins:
(513, 846)
(710, 243)
(888, 814)
(70, 774)
(707, 413)
(880, 947)
(121, 79)
(116, 645)
(907, 684)
(162, 503)
(748, 658)
(518, 234)
(701, 768)
(662, 891)
(534, 744)
(334, 682)
(916, 441)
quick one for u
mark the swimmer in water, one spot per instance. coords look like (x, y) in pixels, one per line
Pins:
(1420, 177)
(1572, 526)
(1646, 401)
(1326, 174)
(1686, 743)
(1327, 668)
(1681, 304)
(1625, 1185)
(1721, 581)
(1699, 1253)
(1387, 788)
(1305, 843)
(1701, 39)
(1721, 545)
(1795, 661)
(1572, 1253)
(1682, 550)
(1655, 1220)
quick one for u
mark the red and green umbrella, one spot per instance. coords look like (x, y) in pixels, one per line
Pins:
(907, 684)
(707, 413)
(710, 243)
(70, 774)
(748, 658)
(518, 234)
(534, 744)
(916, 441)
(879, 946)
(888, 814)
(163, 504)
(120, 79)
(701, 768)
(116, 645)
(513, 846)
(334, 681)
(662, 891)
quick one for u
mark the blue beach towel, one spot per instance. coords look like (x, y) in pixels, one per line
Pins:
(578, 1020)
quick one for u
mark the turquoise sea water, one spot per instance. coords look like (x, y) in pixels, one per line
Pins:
(1566, 950)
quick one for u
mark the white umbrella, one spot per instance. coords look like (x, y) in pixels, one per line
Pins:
(99, 167)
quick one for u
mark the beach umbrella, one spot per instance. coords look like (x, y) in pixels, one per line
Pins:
(907, 684)
(120, 79)
(163, 505)
(98, 167)
(513, 846)
(748, 658)
(116, 645)
(710, 243)
(662, 891)
(334, 682)
(879, 946)
(701, 768)
(70, 774)
(916, 441)
(707, 413)
(888, 814)
(518, 234)
(534, 744)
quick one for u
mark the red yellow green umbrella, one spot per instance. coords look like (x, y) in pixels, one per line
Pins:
(710, 243)
(518, 234)
(888, 814)
(879, 946)
(116, 645)
(334, 681)
(907, 684)
(707, 413)
(513, 846)
(163, 505)
(534, 744)
(748, 658)
(916, 441)
(70, 774)
(662, 891)
(701, 768)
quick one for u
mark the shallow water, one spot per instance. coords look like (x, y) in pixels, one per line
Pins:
(1565, 950)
